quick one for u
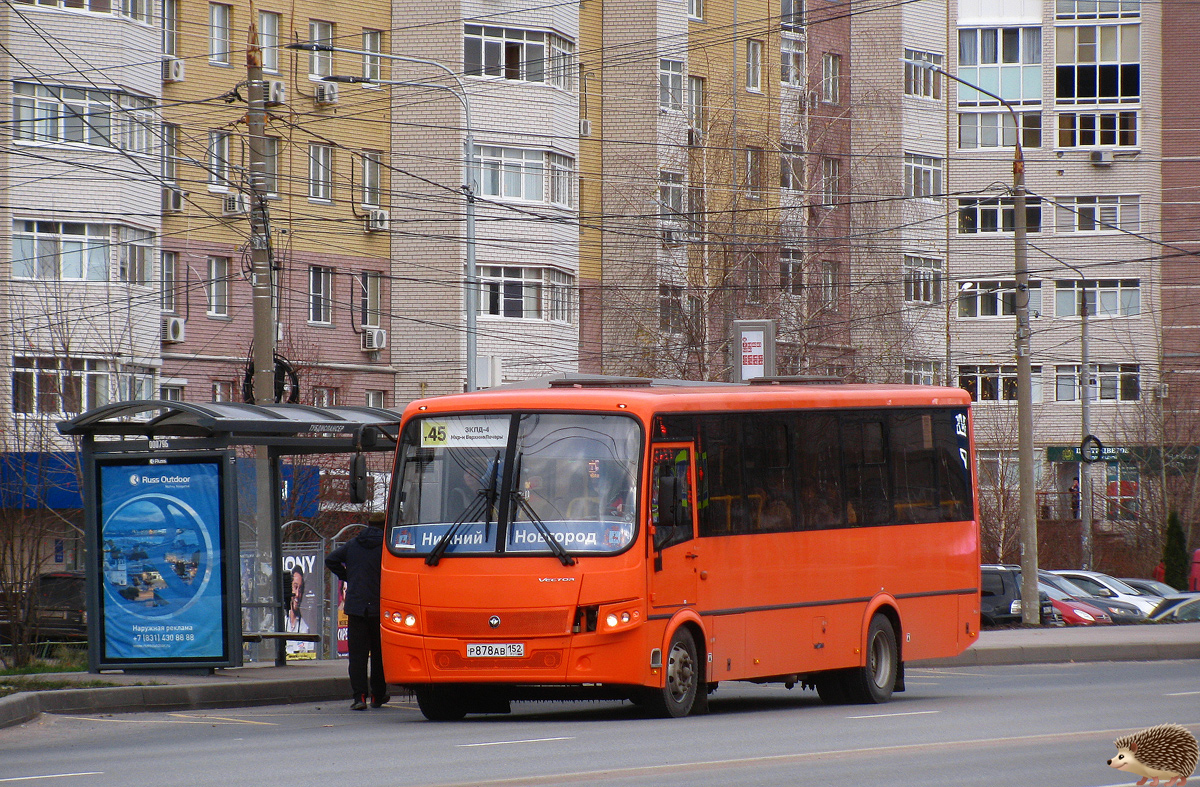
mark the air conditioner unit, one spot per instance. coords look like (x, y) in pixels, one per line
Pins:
(585, 127)
(172, 200)
(1161, 390)
(275, 92)
(374, 339)
(326, 93)
(672, 235)
(173, 69)
(235, 204)
(1102, 158)
(377, 220)
(173, 330)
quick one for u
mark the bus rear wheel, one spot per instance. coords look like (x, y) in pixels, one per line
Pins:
(681, 694)
(438, 703)
(874, 682)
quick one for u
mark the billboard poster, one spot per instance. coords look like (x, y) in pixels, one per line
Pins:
(163, 546)
(303, 569)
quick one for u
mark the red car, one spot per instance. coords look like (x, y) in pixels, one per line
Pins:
(1072, 612)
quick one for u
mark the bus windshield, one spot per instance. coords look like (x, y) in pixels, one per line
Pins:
(505, 483)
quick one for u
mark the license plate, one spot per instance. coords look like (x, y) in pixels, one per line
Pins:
(496, 650)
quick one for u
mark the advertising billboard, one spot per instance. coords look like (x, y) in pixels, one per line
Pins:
(165, 550)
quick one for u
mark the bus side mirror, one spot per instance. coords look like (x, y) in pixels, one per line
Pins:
(668, 510)
(358, 479)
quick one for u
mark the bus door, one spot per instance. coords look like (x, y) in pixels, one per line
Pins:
(674, 580)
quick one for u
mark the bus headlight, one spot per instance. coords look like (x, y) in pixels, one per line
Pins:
(405, 619)
(611, 620)
(620, 616)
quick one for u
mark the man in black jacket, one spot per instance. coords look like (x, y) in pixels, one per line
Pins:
(357, 564)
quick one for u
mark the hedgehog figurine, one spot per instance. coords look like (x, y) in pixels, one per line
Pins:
(1167, 751)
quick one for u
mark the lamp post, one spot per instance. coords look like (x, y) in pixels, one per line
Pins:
(1025, 481)
(468, 191)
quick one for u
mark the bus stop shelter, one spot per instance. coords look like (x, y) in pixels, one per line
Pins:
(167, 544)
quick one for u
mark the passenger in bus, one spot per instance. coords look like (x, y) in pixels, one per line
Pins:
(818, 508)
(776, 511)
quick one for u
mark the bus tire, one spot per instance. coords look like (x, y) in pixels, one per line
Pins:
(438, 703)
(874, 682)
(831, 687)
(679, 696)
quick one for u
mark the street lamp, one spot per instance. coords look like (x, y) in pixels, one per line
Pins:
(472, 283)
(1025, 480)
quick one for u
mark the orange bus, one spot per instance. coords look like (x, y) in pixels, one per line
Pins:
(647, 541)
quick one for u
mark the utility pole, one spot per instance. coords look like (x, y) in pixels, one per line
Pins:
(1085, 394)
(268, 587)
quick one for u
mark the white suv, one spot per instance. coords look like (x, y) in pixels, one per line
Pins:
(1104, 586)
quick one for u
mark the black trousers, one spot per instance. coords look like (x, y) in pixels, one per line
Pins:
(363, 640)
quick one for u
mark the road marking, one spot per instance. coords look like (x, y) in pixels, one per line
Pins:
(1182, 694)
(223, 718)
(889, 715)
(509, 743)
(51, 776)
(209, 720)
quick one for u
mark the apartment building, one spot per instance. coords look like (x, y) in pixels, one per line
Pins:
(718, 167)
(1082, 93)
(327, 189)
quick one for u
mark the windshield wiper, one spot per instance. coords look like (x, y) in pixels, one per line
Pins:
(482, 504)
(519, 500)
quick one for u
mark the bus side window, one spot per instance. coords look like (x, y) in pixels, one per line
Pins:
(671, 502)
(818, 473)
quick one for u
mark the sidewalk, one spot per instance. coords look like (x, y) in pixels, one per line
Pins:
(323, 681)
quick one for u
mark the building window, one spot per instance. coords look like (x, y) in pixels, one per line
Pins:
(320, 64)
(140, 10)
(754, 173)
(995, 299)
(218, 159)
(372, 166)
(922, 176)
(560, 296)
(1007, 60)
(754, 279)
(377, 399)
(791, 272)
(135, 383)
(1097, 214)
(371, 290)
(169, 152)
(997, 130)
(791, 14)
(791, 167)
(511, 292)
(170, 263)
(216, 287)
(218, 32)
(268, 40)
(514, 173)
(372, 42)
(52, 385)
(1098, 64)
(695, 9)
(922, 372)
(695, 102)
(170, 393)
(1114, 382)
(87, 117)
(1101, 298)
(1097, 129)
(923, 278)
(996, 383)
(670, 200)
(170, 27)
(671, 317)
(670, 84)
(791, 61)
(527, 55)
(320, 172)
(271, 166)
(831, 284)
(831, 78)
(754, 50)
(320, 294)
(135, 252)
(222, 391)
(996, 214)
(831, 177)
(68, 251)
(1091, 9)
(324, 396)
(919, 79)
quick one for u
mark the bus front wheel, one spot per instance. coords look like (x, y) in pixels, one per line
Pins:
(438, 703)
(874, 682)
(680, 695)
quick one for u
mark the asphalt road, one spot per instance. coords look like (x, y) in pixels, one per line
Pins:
(1048, 723)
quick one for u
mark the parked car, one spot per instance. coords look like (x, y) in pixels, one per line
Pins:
(1000, 597)
(1073, 612)
(55, 607)
(1119, 611)
(1150, 587)
(1104, 586)
(1177, 607)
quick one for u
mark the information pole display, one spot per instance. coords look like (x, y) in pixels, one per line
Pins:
(163, 561)
(754, 349)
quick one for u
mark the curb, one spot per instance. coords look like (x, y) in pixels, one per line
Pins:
(1052, 653)
(28, 705)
